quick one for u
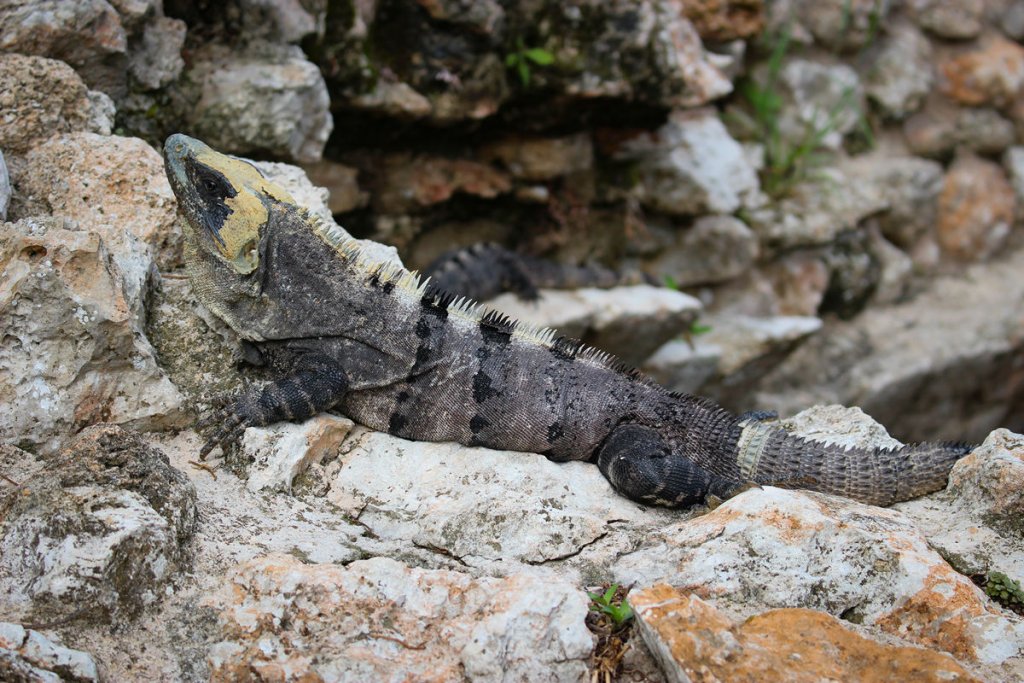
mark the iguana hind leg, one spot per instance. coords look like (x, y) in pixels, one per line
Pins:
(640, 465)
(316, 384)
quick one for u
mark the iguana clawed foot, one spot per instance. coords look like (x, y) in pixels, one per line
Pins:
(226, 423)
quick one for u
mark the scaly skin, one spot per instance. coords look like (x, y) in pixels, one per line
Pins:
(397, 355)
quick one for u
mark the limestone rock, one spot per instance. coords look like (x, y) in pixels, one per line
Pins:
(5, 188)
(844, 24)
(817, 210)
(403, 184)
(97, 534)
(457, 500)
(695, 641)
(976, 522)
(85, 34)
(630, 322)
(976, 209)
(714, 249)
(992, 74)
(40, 97)
(28, 655)
(899, 74)
(955, 20)
(1012, 20)
(910, 188)
(341, 182)
(542, 158)
(725, 20)
(267, 99)
(154, 60)
(648, 52)
(939, 129)
(772, 548)
(74, 353)
(484, 16)
(691, 165)
(731, 356)
(281, 452)
(108, 184)
(1013, 162)
(818, 97)
(936, 367)
(281, 21)
(381, 620)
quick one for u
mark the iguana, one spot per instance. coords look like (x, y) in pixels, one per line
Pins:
(383, 347)
(482, 271)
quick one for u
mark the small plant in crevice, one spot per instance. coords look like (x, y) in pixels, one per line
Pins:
(611, 620)
(523, 59)
(1004, 590)
(611, 603)
(788, 163)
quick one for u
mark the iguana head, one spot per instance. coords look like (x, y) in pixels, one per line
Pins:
(224, 199)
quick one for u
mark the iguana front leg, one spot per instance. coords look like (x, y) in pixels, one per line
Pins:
(316, 383)
(640, 465)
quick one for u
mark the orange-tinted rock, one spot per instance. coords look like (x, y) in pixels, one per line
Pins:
(976, 209)
(405, 184)
(722, 20)
(694, 641)
(539, 158)
(991, 74)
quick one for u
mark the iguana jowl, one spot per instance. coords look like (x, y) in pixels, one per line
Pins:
(384, 348)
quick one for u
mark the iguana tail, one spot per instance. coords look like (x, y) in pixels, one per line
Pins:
(769, 455)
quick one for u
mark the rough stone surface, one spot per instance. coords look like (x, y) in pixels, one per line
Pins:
(841, 24)
(108, 184)
(155, 59)
(992, 74)
(28, 655)
(282, 452)
(5, 188)
(85, 34)
(743, 349)
(1013, 162)
(40, 97)
(695, 641)
(73, 352)
(900, 74)
(819, 98)
(714, 249)
(609, 319)
(976, 522)
(772, 548)
(542, 158)
(955, 20)
(404, 184)
(690, 166)
(97, 534)
(269, 99)
(381, 620)
(976, 209)
(455, 500)
(341, 182)
(939, 130)
(935, 367)
(818, 210)
(910, 188)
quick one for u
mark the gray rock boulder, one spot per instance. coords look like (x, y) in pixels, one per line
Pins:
(713, 249)
(900, 72)
(5, 188)
(691, 165)
(268, 98)
(98, 533)
(28, 655)
(154, 59)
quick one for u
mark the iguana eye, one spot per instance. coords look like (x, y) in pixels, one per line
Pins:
(210, 185)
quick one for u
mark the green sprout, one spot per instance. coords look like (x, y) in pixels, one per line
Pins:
(1004, 590)
(604, 603)
(521, 59)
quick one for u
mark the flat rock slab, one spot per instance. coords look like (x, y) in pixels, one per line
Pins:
(380, 620)
(479, 505)
(630, 322)
(694, 641)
